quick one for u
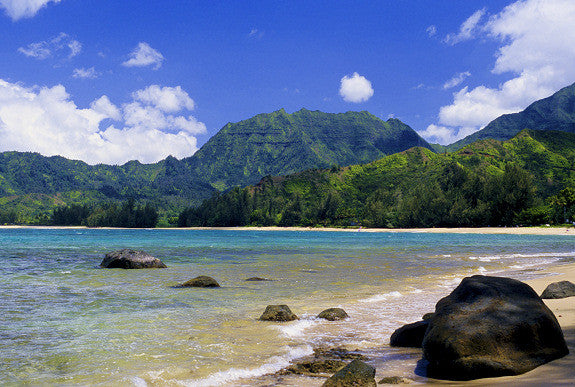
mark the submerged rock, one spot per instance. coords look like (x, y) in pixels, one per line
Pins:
(395, 380)
(562, 289)
(410, 335)
(356, 373)
(323, 362)
(130, 259)
(488, 327)
(256, 279)
(202, 281)
(278, 313)
(333, 314)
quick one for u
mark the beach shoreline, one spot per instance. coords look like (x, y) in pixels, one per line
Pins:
(438, 230)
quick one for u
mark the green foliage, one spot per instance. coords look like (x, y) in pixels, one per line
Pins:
(126, 214)
(488, 183)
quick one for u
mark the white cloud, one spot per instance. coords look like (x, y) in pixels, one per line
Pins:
(256, 34)
(46, 120)
(467, 29)
(456, 80)
(355, 89)
(144, 55)
(536, 51)
(83, 73)
(18, 9)
(167, 99)
(431, 30)
(53, 47)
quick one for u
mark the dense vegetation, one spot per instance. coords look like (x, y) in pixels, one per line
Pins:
(519, 181)
(556, 112)
(279, 143)
(126, 214)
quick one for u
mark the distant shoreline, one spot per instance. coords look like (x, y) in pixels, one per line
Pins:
(455, 230)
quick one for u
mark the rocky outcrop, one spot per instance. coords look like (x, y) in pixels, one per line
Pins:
(202, 281)
(278, 313)
(131, 259)
(333, 314)
(561, 289)
(356, 374)
(395, 380)
(410, 335)
(324, 362)
(488, 327)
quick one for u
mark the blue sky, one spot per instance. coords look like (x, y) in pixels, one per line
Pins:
(110, 81)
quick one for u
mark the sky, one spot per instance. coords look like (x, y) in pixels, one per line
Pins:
(113, 81)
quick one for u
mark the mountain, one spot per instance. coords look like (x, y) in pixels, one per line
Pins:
(33, 184)
(488, 182)
(280, 143)
(556, 112)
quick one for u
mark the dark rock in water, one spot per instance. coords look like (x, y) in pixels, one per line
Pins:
(314, 367)
(333, 314)
(488, 327)
(338, 353)
(395, 380)
(278, 313)
(356, 374)
(257, 279)
(561, 289)
(131, 259)
(202, 281)
(427, 316)
(410, 335)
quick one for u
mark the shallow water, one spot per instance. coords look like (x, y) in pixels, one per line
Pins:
(64, 320)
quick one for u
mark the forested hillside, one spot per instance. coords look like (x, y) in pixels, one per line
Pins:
(525, 180)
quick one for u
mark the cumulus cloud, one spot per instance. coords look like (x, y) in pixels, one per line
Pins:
(83, 73)
(467, 29)
(46, 120)
(18, 9)
(144, 55)
(355, 88)
(456, 80)
(431, 30)
(536, 51)
(54, 47)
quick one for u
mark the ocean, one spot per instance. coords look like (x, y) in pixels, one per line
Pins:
(66, 321)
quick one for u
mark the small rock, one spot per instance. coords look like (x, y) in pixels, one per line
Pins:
(130, 259)
(314, 367)
(561, 289)
(278, 313)
(356, 374)
(395, 380)
(338, 353)
(333, 314)
(257, 279)
(410, 335)
(202, 281)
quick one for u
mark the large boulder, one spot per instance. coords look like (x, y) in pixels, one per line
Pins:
(410, 335)
(488, 327)
(355, 374)
(333, 314)
(131, 259)
(202, 281)
(561, 289)
(278, 313)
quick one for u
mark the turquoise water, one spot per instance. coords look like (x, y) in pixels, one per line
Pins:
(64, 320)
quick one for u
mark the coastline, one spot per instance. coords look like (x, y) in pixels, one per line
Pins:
(439, 230)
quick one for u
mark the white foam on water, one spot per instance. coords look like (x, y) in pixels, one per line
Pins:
(482, 270)
(274, 364)
(138, 382)
(66, 272)
(490, 258)
(296, 328)
(382, 297)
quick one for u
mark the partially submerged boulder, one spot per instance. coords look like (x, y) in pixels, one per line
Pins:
(410, 335)
(356, 374)
(131, 259)
(202, 281)
(562, 289)
(323, 362)
(278, 313)
(333, 314)
(395, 380)
(257, 279)
(488, 327)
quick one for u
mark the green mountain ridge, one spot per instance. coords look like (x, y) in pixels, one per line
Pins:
(280, 143)
(556, 112)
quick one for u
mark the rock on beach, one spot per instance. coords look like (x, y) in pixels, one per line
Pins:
(131, 259)
(278, 313)
(202, 281)
(333, 314)
(356, 374)
(562, 289)
(489, 327)
(410, 335)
